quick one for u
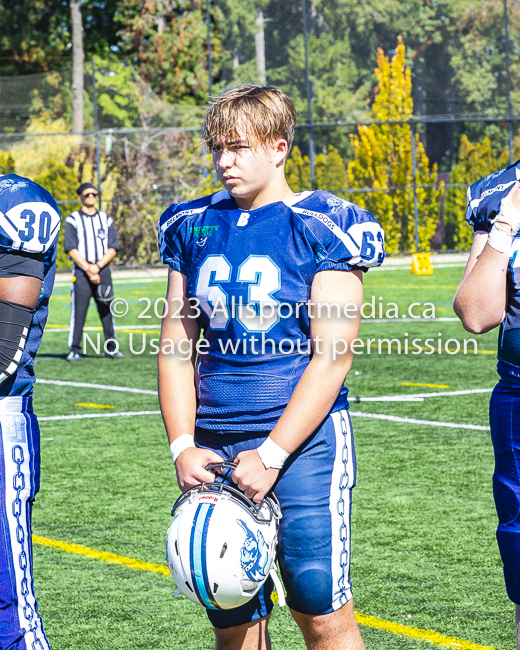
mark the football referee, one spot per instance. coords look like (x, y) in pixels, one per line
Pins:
(91, 241)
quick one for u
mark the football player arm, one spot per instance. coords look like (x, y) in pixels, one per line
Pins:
(177, 393)
(481, 299)
(319, 385)
(18, 299)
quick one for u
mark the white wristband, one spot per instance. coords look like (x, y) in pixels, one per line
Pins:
(272, 455)
(499, 239)
(180, 444)
(508, 214)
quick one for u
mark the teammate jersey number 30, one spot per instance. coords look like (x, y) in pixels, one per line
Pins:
(261, 312)
(31, 226)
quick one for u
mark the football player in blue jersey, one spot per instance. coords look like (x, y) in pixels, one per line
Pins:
(273, 279)
(29, 228)
(489, 296)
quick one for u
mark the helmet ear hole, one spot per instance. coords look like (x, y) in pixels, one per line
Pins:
(188, 585)
(215, 588)
(223, 551)
(176, 548)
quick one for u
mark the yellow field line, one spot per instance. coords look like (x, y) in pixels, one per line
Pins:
(78, 549)
(416, 633)
(362, 619)
(408, 383)
(95, 406)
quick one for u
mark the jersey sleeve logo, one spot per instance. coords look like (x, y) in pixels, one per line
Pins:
(364, 241)
(31, 226)
(8, 184)
(335, 204)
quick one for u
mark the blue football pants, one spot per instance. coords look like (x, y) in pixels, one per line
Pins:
(504, 418)
(314, 490)
(20, 625)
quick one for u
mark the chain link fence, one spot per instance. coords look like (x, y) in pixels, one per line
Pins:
(144, 153)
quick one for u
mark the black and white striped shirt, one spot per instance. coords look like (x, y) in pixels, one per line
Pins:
(91, 235)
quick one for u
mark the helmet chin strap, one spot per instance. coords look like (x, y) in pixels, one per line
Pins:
(277, 585)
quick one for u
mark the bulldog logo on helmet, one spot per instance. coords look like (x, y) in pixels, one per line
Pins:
(254, 554)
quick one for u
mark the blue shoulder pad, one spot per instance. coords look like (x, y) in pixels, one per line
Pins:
(350, 237)
(29, 216)
(485, 196)
(171, 221)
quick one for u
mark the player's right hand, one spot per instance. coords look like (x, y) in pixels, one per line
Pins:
(190, 467)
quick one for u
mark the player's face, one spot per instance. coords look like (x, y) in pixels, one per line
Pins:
(245, 169)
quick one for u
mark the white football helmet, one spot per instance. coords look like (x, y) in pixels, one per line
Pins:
(221, 546)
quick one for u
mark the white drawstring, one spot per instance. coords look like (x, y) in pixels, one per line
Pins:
(278, 586)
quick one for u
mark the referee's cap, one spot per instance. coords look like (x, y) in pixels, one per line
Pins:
(86, 186)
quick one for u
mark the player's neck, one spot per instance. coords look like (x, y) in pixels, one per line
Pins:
(89, 209)
(272, 193)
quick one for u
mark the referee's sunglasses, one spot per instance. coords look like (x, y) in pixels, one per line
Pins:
(85, 196)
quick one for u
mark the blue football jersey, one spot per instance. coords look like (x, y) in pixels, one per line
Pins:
(29, 222)
(485, 195)
(252, 272)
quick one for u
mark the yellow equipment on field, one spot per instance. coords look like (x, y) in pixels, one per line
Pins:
(422, 264)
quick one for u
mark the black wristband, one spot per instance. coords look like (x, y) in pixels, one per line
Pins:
(15, 321)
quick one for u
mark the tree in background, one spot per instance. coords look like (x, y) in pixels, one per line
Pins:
(298, 171)
(329, 169)
(383, 159)
(36, 35)
(7, 165)
(475, 162)
(61, 182)
(78, 64)
(169, 40)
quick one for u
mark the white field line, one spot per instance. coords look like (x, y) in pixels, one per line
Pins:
(374, 321)
(407, 267)
(377, 416)
(97, 415)
(80, 384)
(419, 396)
(412, 397)
(64, 283)
(407, 320)
(386, 398)
(100, 329)
(431, 423)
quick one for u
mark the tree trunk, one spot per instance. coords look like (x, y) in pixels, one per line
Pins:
(260, 46)
(78, 59)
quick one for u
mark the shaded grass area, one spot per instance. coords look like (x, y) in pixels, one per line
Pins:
(423, 554)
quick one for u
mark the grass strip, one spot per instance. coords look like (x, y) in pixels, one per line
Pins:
(362, 619)
(417, 633)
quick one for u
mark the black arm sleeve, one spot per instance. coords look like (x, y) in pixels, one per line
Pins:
(71, 237)
(17, 263)
(15, 321)
(113, 240)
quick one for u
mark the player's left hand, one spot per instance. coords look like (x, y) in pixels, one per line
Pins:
(252, 477)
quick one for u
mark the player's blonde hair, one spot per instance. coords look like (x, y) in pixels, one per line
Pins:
(262, 114)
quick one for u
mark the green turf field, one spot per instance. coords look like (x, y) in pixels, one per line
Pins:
(423, 554)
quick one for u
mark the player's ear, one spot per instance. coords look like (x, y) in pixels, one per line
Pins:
(282, 151)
